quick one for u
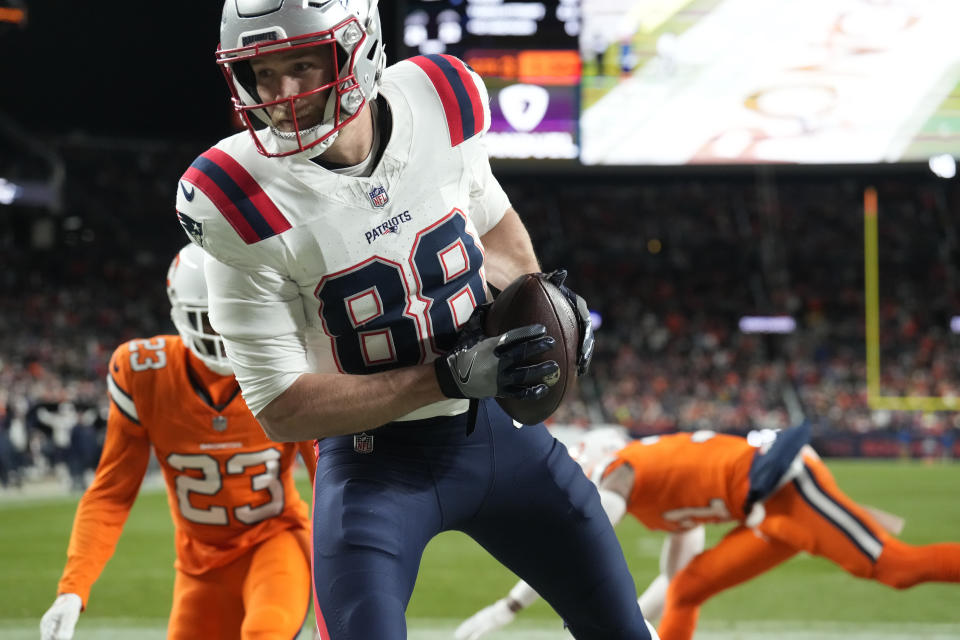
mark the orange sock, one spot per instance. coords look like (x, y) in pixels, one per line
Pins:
(902, 565)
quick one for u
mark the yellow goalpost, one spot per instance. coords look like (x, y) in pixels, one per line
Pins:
(871, 287)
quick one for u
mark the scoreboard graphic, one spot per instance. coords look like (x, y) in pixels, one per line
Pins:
(680, 82)
(527, 54)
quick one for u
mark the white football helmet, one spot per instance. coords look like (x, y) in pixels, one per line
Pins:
(255, 28)
(595, 450)
(187, 290)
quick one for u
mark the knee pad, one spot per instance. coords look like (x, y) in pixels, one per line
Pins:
(379, 615)
(366, 521)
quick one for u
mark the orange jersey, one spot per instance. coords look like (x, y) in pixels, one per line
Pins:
(229, 487)
(686, 479)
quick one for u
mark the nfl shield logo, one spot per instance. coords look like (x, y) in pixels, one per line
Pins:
(378, 196)
(362, 443)
(220, 423)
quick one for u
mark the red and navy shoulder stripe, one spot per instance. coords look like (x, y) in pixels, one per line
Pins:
(237, 195)
(460, 97)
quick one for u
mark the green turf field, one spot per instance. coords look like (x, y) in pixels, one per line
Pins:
(805, 598)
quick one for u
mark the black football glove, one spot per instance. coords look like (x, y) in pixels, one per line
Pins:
(585, 351)
(483, 367)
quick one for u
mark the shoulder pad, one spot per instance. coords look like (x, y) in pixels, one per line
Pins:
(234, 192)
(461, 92)
(129, 359)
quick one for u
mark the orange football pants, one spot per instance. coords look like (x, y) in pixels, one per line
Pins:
(263, 595)
(810, 514)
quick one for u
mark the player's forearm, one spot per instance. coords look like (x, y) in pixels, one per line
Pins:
(97, 527)
(652, 599)
(104, 507)
(87, 558)
(521, 596)
(679, 549)
(319, 405)
(509, 251)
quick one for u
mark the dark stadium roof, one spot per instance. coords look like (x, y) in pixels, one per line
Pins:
(118, 69)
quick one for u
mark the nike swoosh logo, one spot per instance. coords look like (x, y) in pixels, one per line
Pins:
(464, 377)
(187, 194)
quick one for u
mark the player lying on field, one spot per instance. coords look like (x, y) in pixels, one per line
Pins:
(242, 530)
(782, 497)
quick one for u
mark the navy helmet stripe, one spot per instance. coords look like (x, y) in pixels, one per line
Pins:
(236, 195)
(460, 91)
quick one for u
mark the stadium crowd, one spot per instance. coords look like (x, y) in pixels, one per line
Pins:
(674, 264)
(75, 285)
(670, 264)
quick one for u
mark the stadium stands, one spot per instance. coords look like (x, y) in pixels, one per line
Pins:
(670, 262)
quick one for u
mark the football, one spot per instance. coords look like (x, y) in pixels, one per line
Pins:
(532, 299)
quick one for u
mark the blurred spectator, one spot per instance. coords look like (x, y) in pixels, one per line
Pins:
(670, 263)
(75, 285)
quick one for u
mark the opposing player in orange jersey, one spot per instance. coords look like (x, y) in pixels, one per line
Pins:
(242, 530)
(782, 497)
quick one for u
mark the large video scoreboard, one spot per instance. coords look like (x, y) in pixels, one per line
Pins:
(678, 82)
(527, 54)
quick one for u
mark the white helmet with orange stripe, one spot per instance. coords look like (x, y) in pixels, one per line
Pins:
(187, 290)
(345, 34)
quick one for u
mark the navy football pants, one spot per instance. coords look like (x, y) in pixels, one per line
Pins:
(515, 491)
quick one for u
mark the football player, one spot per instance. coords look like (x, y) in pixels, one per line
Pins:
(242, 530)
(352, 231)
(782, 497)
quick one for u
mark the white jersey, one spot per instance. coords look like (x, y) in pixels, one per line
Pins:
(316, 271)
